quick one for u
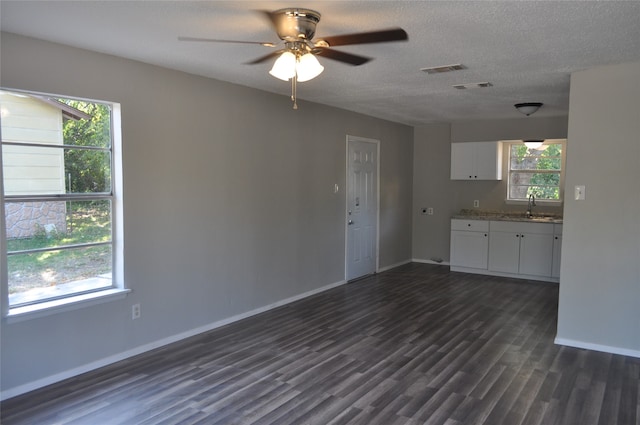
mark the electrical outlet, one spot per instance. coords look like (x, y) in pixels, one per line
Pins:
(135, 311)
(476, 203)
(429, 211)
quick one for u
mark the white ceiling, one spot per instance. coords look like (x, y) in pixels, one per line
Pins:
(527, 50)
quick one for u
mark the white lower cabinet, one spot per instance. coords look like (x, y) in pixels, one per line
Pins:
(507, 248)
(469, 244)
(536, 254)
(521, 248)
(557, 250)
(505, 252)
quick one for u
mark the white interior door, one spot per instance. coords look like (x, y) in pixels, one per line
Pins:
(362, 207)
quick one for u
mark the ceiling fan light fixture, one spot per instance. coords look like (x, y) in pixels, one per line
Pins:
(533, 144)
(296, 28)
(288, 65)
(528, 108)
(284, 67)
(308, 67)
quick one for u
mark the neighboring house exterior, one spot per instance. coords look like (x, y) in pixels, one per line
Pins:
(33, 170)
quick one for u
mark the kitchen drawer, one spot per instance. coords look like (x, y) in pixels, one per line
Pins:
(522, 227)
(470, 225)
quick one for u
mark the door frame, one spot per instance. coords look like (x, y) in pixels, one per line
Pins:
(350, 138)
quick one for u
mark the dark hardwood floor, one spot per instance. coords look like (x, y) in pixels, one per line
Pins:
(413, 345)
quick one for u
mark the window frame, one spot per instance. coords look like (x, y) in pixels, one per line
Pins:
(550, 202)
(80, 299)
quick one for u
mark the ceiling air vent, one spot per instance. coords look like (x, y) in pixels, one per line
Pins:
(444, 68)
(472, 85)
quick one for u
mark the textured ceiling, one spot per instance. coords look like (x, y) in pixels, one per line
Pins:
(527, 50)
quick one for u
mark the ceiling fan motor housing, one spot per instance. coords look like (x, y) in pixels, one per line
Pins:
(295, 24)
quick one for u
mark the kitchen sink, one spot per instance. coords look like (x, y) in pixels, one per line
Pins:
(544, 218)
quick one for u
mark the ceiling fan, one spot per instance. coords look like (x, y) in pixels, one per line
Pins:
(297, 60)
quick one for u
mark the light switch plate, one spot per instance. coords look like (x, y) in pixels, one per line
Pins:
(579, 193)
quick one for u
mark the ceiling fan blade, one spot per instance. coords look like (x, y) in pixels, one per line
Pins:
(393, 34)
(265, 57)
(215, 40)
(339, 56)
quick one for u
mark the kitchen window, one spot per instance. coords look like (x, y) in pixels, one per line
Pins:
(61, 180)
(536, 171)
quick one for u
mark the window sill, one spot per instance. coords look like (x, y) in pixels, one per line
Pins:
(19, 314)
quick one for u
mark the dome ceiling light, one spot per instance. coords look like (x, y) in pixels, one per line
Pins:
(528, 108)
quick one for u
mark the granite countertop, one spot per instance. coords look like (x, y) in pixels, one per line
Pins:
(475, 214)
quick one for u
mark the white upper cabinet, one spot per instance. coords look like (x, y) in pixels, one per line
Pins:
(476, 161)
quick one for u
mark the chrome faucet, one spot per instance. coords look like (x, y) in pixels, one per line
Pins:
(530, 205)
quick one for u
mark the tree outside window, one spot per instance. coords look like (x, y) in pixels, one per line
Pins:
(536, 172)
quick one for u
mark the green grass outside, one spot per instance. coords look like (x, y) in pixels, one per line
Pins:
(87, 221)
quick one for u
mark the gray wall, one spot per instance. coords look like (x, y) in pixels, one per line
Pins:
(432, 186)
(228, 203)
(599, 305)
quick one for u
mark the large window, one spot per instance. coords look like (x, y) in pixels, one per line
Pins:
(536, 171)
(60, 162)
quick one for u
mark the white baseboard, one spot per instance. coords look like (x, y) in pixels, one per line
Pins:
(597, 347)
(393, 266)
(52, 379)
(420, 260)
(500, 274)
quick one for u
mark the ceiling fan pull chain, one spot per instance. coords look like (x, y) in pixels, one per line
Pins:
(294, 89)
